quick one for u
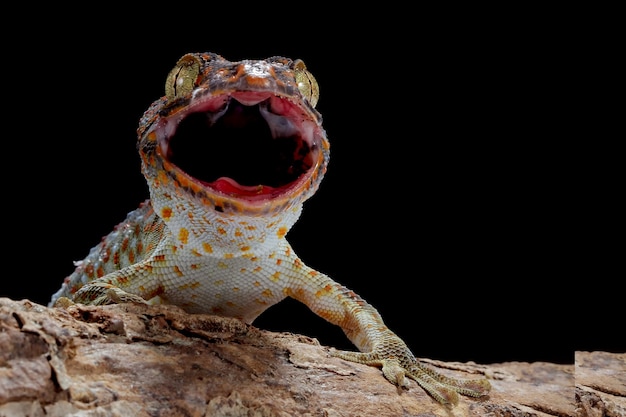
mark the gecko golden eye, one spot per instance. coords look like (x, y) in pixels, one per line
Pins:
(182, 78)
(306, 82)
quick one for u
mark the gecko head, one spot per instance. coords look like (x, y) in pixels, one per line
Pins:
(242, 137)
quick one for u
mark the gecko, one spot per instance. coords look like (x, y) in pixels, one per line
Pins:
(230, 153)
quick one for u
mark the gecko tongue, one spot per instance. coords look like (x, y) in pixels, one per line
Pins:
(231, 187)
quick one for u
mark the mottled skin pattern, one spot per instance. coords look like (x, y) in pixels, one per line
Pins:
(214, 242)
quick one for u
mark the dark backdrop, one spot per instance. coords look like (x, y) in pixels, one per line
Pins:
(446, 200)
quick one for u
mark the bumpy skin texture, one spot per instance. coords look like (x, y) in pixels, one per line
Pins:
(230, 154)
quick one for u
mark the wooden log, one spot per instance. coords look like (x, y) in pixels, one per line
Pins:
(136, 360)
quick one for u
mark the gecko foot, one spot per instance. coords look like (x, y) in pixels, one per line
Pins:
(397, 368)
(99, 293)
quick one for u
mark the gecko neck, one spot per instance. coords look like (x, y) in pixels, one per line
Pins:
(200, 230)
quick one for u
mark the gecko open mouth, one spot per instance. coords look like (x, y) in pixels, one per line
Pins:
(245, 144)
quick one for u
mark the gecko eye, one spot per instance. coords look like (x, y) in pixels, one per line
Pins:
(182, 78)
(306, 82)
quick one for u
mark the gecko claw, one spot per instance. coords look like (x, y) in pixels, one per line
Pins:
(395, 373)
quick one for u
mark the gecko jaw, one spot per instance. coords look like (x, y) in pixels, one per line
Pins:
(252, 146)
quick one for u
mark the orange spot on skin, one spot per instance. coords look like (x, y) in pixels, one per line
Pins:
(324, 291)
(297, 263)
(222, 265)
(275, 276)
(288, 252)
(157, 291)
(245, 248)
(218, 282)
(183, 235)
(279, 261)
(116, 258)
(140, 248)
(230, 304)
(162, 177)
(122, 280)
(195, 252)
(221, 230)
(178, 271)
(159, 258)
(151, 161)
(256, 283)
(257, 82)
(257, 269)
(194, 266)
(207, 247)
(328, 315)
(196, 188)
(100, 272)
(89, 270)
(228, 256)
(267, 293)
(282, 231)
(191, 285)
(131, 256)
(297, 294)
(238, 233)
(235, 289)
(313, 273)
(166, 213)
(124, 246)
(251, 227)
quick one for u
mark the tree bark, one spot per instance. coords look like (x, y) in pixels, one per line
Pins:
(137, 360)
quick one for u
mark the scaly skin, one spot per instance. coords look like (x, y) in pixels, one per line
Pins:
(230, 154)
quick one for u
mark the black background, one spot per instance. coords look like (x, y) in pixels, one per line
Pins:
(447, 200)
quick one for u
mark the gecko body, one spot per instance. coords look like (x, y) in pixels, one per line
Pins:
(230, 154)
